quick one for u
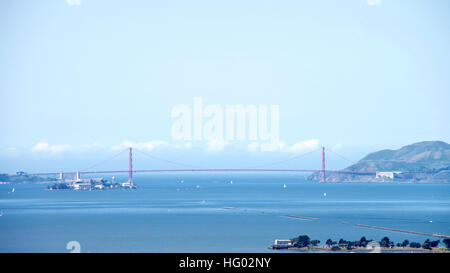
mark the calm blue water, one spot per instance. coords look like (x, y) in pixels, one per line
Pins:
(165, 215)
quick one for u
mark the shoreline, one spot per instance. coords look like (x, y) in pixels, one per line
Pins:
(366, 250)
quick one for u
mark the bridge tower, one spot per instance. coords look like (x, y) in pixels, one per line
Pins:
(130, 167)
(323, 165)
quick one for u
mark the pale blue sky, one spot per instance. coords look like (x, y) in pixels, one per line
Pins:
(88, 77)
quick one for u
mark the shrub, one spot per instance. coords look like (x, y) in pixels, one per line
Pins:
(414, 245)
(335, 248)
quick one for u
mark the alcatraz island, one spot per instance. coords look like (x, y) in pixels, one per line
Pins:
(91, 184)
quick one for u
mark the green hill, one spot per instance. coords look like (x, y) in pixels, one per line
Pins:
(426, 156)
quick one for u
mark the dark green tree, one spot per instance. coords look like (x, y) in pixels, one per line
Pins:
(350, 245)
(315, 242)
(427, 244)
(363, 242)
(446, 242)
(435, 243)
(385, 242)
(405, 243)
(342, 243)
(303, 241)
(329, 242)
(414, 245)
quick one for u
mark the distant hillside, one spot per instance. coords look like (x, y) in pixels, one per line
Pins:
(430, 156)
(22, 177)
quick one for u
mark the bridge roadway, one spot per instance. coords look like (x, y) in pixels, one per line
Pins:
(206, 170)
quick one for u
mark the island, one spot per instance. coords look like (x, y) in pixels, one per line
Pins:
(90, 184)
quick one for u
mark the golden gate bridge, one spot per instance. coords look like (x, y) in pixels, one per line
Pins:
(189, 168)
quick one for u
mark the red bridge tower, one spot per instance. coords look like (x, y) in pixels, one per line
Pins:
(323, 164)
(130, 167)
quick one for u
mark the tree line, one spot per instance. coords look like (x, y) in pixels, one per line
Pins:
(304, 241)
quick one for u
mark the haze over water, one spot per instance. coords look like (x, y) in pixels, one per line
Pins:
(169, 213)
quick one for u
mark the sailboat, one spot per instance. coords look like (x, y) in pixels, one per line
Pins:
(284, 186)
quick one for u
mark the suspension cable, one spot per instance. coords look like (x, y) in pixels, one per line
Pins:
(341, 156)
(285, 160)
(104, 161)
(165, 160)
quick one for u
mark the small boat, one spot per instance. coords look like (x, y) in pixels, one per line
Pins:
(284, 186)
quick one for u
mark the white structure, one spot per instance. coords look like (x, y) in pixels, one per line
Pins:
(82, 185)
(126, 184)
(283, 242)
(389, 175)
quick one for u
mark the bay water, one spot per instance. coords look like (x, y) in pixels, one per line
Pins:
(215, 212)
